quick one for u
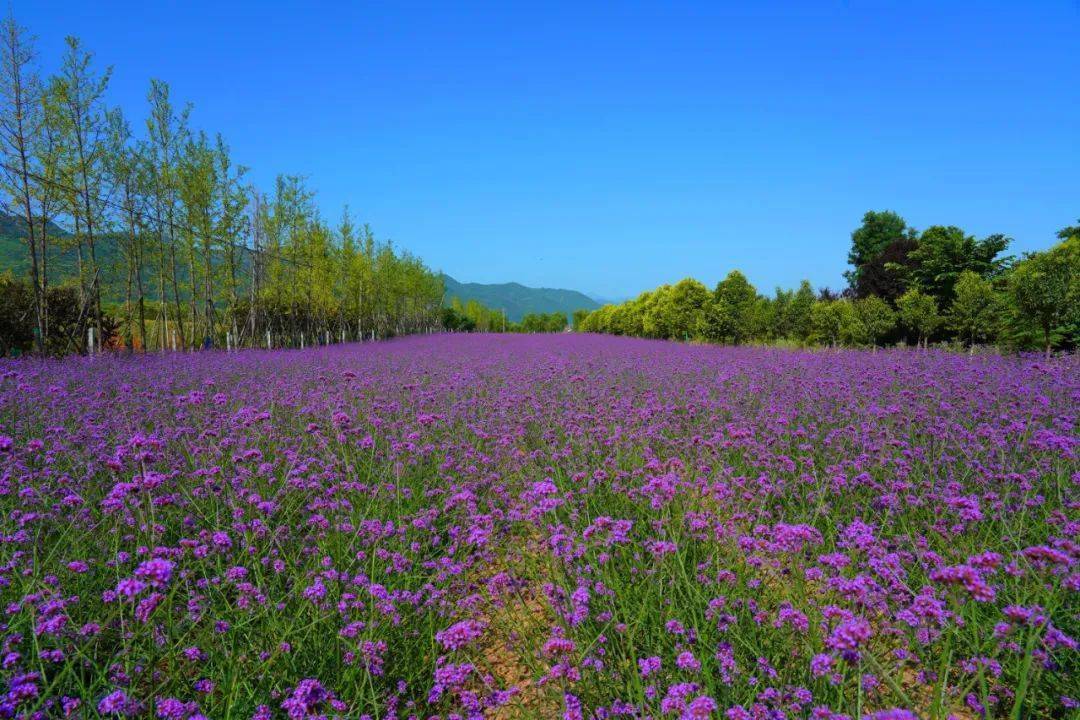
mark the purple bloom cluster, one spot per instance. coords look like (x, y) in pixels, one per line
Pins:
(462, 527)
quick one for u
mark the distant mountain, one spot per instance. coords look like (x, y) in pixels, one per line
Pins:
(518, 300)
(63, 257)
(14, 255)
(602, 300)
(14, 226)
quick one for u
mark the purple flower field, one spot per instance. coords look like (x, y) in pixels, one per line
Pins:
(554, 526)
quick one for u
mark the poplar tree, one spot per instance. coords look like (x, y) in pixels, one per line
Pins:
(79, 93)
(126, 166)
(20, 123)
(166, 131)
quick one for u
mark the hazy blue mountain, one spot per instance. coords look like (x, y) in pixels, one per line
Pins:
(604, 300)
(518, 300)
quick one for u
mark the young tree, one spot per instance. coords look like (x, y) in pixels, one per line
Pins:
(876, 317)
(49, 195)
(79, 92)
(231, 228)
(919, 314)
(735, 299)
(20, 121)
(689, 299)
(827, 321)
(975, 312)
(802, 304)
(124, 164)
(853, 332)
(658, 313)
(166, 132)
(1045, 287)
(778, 314)
(196, 186)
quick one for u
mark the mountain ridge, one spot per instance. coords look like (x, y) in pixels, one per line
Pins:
(517, 299)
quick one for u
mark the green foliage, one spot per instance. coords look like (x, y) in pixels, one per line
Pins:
(975, 314)
(906, 280)
(735, 314)
(799, 316)
(687, 302)
(944, 253)
(543, 322)
(474, 316)
(455, 320)
(876, 319)
(828, 320)
(877, 232)
(1045, 288)
(67, 327)
(1069, 231)
(918, 313)
(878, 229)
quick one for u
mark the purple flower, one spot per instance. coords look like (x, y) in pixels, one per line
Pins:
(648, 666)
(157, 571)
(460, 634)
(687, 661)
(306, 699)
(115, 703)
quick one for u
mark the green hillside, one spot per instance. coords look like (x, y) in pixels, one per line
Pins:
(518, 300)
(13, 252)
(63, 258)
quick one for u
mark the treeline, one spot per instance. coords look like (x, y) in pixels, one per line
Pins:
(473, 316)
(165, 244)
(938, 285)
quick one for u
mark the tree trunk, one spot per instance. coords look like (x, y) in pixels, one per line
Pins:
(129, 316)
(136, 243)
(176, 292)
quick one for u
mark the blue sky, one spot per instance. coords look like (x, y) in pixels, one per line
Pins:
(614, 147)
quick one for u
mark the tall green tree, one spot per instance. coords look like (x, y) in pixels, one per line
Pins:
(658, 313)
(879, 230)
(688, 301)
(79, 90)
(944, 252)
(20, 123)
(167, 130)
(876, 318)
(828, 319)
(231, 228)
(802, 304)
(918, 312)
(975, 314)
(1045, 287)
(735, 299)
(125, 166)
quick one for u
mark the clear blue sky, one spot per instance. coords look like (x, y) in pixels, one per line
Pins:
(613, 147)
